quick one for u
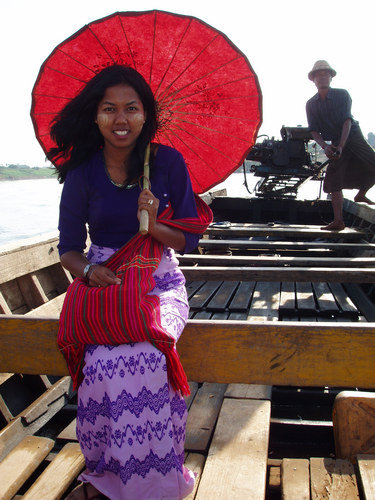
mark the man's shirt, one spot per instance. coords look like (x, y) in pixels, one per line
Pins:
(328, 115)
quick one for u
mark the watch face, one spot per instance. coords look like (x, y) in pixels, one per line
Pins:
(86, 270)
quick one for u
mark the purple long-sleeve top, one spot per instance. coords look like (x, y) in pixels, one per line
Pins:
(90, 199)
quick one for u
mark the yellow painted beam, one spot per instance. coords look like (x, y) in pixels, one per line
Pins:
(274, 353)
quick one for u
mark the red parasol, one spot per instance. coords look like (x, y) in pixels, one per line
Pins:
(208, 96)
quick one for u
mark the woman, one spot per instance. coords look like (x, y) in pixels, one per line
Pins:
(131, 419)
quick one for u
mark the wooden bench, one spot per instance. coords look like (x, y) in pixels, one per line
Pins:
(274, 273)
(291, 246)
(281, 231)
(275, 260)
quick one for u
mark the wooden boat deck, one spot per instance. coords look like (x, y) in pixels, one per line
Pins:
(226, 445)
(274, 318)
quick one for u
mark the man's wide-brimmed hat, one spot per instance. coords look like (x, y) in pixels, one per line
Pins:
(318, 66)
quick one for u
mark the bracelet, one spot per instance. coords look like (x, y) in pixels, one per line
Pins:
(87, 269)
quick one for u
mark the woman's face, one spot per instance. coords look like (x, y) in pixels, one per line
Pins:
(120, 117)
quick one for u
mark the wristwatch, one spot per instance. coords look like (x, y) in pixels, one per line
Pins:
(86, 270)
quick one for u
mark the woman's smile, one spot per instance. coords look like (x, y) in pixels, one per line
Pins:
(120, 116)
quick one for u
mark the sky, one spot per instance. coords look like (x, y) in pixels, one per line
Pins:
(281, 38)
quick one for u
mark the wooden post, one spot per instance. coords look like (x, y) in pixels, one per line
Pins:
(143, 223)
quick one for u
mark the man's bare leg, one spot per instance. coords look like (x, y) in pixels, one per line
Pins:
(338, 222)
(361, 197)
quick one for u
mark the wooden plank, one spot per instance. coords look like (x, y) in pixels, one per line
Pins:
(295, 479)
(26, 259)
(203, 415)
(274, 478)
(339, 354)
(202, 315)
(286, 353)
(58, 476)
(366, 465)
(274, 260)
(242, 297)
(15, 329)
(5, 376)
(248, 391)
(35, 416)
(4, 308)
(13, 297)
(247, 244)
(69, 432)
(289, 231)
(220, 315)
(318, 274)
(364, 304)
(347, 308)
(360, 210)
(32, 290)
(325, 300)
(192, 287)
(193, 386)
(265, 302)
(333, 479)
(4, 410)
(221, 299)
(52, 308)
(354, 424)
(21, 462)
(238, 316)
(287, 303)
(236, 465)
(204, 294)
(305, 299)
(61, 277)
(195, 463)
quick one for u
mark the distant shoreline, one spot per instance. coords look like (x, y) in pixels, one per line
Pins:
(24, 172)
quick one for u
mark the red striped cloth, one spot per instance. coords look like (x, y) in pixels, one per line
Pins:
(120, 314)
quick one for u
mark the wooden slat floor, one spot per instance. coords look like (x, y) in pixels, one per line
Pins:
(226, 446)
(275, 301)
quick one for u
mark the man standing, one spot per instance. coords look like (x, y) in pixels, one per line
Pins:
(353, 160)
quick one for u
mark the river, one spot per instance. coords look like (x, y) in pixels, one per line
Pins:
(29, 208)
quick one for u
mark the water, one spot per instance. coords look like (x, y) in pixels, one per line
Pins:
(29, 208)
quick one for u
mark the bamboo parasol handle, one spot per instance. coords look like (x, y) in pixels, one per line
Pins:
(143, 223)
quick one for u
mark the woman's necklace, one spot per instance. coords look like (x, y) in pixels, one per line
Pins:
(121, 185)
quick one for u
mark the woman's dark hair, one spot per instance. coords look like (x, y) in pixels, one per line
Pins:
(77, 135)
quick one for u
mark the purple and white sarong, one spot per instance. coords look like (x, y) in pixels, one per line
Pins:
(130, 421)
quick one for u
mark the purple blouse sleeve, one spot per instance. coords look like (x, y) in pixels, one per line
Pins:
(73, 214)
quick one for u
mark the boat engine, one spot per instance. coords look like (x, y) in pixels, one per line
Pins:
(284, 165)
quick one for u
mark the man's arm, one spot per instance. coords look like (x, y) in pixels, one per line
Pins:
(345, 131)
(329, 150)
